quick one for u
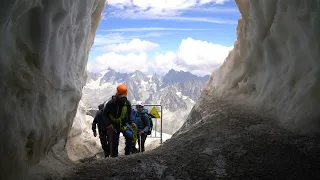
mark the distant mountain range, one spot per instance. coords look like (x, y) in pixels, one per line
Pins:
(176, 91)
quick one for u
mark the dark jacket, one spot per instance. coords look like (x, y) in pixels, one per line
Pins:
(114, 107)
(98, 120)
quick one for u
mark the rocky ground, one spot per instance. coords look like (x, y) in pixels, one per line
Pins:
(231, 143)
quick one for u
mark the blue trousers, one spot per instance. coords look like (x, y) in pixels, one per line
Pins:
(113, 138)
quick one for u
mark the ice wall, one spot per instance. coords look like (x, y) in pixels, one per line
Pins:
(275, 61)
(44, 47)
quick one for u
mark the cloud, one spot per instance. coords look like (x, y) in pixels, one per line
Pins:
(115, 38)
(148, 15)
(196, 56)
(154, 29)
(198, 19)
(214, 10)
(162, 5)
(121, 63)
(111, 38)
(162, 9)
(135, 45)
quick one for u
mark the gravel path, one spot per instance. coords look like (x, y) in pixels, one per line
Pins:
(231, 143)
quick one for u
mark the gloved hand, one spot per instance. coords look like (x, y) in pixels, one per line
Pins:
(95, 134)
(110, 126)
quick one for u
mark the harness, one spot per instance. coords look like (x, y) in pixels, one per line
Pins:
(121, 117)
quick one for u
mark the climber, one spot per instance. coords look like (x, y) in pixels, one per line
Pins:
(141, 119)
(117, 113)
(102, 128)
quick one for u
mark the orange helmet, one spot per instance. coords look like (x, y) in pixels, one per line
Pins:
(122, 90)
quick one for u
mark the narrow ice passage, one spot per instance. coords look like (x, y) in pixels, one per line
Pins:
(257, 118)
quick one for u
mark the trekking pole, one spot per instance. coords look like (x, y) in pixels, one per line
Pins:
(110, 139)
(140, 146)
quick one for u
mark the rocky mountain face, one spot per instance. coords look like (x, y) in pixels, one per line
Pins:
(176, 91)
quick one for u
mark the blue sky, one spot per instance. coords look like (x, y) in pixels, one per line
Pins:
(155, 36)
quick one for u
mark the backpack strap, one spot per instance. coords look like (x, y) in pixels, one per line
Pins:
(145, 113)
(104, 105)
(103, 109)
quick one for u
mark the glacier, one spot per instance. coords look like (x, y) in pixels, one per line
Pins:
(273, 68)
